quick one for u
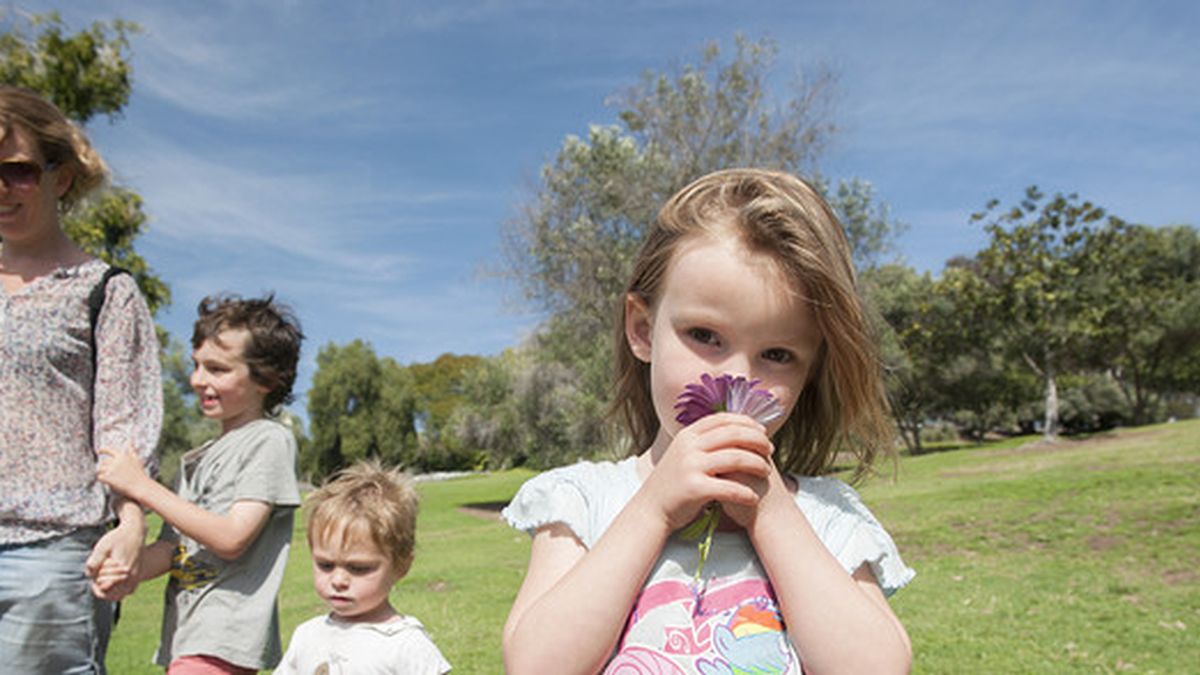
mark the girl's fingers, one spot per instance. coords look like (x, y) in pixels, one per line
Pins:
(724, 419)
(729, 491)
(735, 436)
(726, 478)
(728, 461)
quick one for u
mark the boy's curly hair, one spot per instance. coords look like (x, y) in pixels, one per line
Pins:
(273, 350)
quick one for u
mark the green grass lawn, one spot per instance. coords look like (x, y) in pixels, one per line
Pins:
(1075, 557)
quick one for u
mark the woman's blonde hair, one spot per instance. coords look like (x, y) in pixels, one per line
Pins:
(842, 407)
(367, 501)
(60, 141)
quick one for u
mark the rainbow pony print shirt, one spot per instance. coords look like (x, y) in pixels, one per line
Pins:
(730, 622)
(727, 624)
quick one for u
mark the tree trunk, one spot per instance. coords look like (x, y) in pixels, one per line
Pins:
(1050, 431)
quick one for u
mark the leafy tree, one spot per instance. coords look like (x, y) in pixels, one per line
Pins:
(867, 220)
(522, 410)
(85, 74)
(1093, 401)
(942, 362)
(1028, 281)
(106, 226)
(902, 300)
(981, 387)
(359, 406)
(395, 415)
(341, 405)
(489, 419)
(714, 115)
(574, 242)
(438, 388)
(1143, 289)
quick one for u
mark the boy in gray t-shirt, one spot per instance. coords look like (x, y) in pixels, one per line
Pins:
(226, 533)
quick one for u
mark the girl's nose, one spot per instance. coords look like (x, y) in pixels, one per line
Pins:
(737, 364)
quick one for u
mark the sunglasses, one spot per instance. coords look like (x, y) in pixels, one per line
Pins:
(22, 175)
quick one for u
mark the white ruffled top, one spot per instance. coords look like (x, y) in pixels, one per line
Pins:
(587, 496)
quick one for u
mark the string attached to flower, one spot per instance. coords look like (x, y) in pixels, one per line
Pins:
(725, 393)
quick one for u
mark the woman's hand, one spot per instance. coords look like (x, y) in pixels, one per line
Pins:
(113, 580)
(722, 458)
(122, 471)
(113, 563)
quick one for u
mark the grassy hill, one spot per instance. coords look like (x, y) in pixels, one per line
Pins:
(1075, 557)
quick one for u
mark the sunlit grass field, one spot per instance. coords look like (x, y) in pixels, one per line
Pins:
(1074, 557)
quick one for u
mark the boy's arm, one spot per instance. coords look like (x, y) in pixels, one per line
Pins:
(156, 560)
(227, 536)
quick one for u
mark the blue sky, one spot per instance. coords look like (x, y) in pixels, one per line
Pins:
(359, 158)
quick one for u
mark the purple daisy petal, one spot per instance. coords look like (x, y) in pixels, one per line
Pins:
(726, 393)
(701, 400)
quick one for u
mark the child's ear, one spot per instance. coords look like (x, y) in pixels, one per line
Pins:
(637, 326)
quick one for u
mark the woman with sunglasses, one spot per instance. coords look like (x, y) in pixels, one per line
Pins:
(70, 384)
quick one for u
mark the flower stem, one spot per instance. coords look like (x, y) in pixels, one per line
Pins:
(702, 528)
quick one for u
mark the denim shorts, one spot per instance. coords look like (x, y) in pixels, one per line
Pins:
(49, 620)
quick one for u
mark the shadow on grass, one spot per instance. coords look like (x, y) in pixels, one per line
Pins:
(487, 510)
(1001, 442)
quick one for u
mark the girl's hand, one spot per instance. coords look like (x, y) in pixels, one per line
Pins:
(772, 492)
(121, 470)
(717, 458)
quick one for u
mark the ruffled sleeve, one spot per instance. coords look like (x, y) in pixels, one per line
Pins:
(851, 532)
(551, 497)
(585, 497)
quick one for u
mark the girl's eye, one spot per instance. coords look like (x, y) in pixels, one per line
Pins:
(703, 336)
(325, 567)
(359, 570)
(777, 355)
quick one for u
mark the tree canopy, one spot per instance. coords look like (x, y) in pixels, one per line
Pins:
(572, 245)
(1029, 280)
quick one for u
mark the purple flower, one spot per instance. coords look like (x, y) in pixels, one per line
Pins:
(726, 394)
(713, 395)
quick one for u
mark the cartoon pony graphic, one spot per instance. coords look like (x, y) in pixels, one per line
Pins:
(752, 643)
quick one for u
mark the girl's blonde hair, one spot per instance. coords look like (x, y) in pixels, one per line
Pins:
(367, 501)
(842, 406)
(61, 142)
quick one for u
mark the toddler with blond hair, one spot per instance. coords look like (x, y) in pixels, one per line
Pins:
(362, 531)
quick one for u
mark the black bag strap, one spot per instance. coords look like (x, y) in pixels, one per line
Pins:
(96, 302)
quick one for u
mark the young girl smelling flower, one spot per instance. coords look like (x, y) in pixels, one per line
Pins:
(746, 274)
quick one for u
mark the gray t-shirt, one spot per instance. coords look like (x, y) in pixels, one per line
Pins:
(730, 620)
(226, 608)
